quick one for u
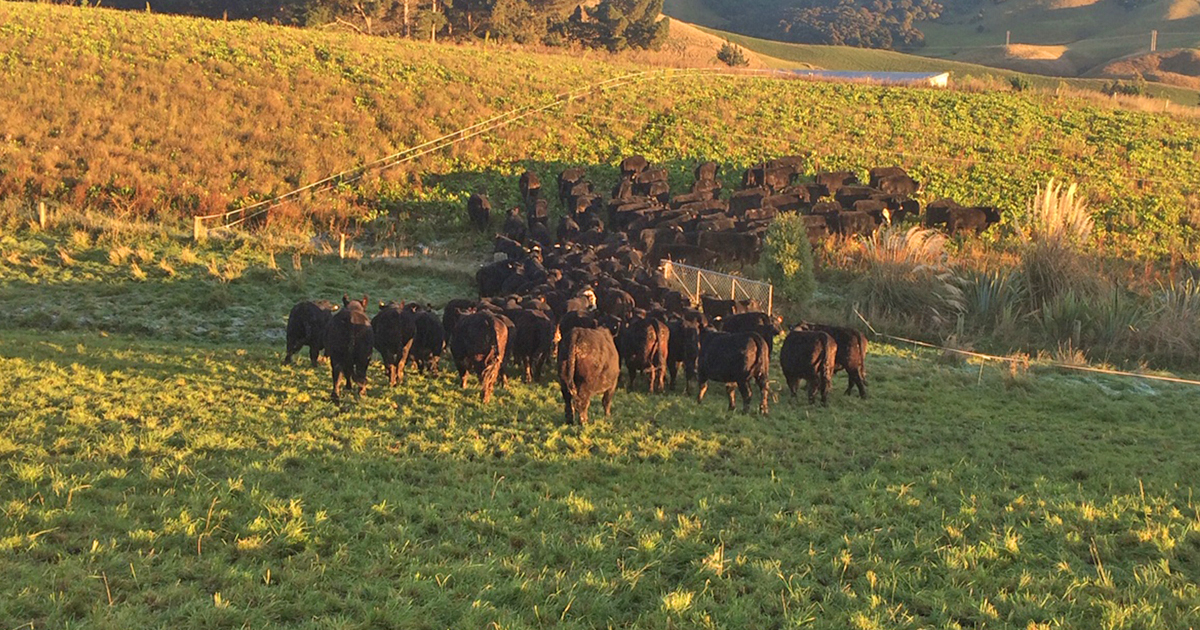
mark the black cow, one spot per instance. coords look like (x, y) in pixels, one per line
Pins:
(349, 343)
(683, 348)
(588, 364)
(479, 210)
(766, 326)
(567, 179)
(454, 311)
(633, 165)
(851, 353)
(717, 308)
(644, 346)
(538, 212)
(306, 327)
(394, 335)
(479, 344)
(852, 223)
(531, 187)
(880, 173)
(938, 212)
(835, 180)
(812, 356)
(734, 359)
(532, 342)
(897, 185)
(706, 171)
(514, 226)
(974, 219)
(429, 339)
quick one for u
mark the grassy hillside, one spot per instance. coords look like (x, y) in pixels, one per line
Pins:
(1083, 35)
(134, 115)
(163, 470)
(848, 58)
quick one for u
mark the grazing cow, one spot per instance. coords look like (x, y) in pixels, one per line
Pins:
(683, 348)
(539, 234)
(394, 335)
(531, 187)
(532, 342)
(349, 343)
(588, 364)
(897, 185)
(514, 225)
(567, 179)
(835, 180)
(632, 165)
(974, 219)
(812, 356)
(744, 248)
(766, 326)
(479, 210)
(852, 223)
(851, 353)
(306, 327)
(479, 344)
(509, 247)
(880, 173)
(706, 171)
(538, 212)
(715, 308)
(644, 346)
(429, 340)
(938, 212)
(734, 359)
(771, 177)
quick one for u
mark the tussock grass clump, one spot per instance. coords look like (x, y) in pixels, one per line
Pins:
(904, 275)
(1058, 225)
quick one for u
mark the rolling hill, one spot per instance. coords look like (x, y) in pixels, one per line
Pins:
(1060, 38)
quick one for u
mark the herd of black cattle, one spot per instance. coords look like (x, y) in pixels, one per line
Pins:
(592, 296)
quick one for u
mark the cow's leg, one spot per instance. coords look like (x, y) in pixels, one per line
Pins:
(703, 387)
(462, 375)
(292, 348)
(730, 388)
(673, 371)
(583, 403)
(568, 403)
(607, 400)
(360, 375)
(812, 390)
(764, 392)
(793, 384)
(404, 352)
(335, 396)
(856, 380)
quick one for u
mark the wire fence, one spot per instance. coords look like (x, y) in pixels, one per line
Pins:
(695, 282)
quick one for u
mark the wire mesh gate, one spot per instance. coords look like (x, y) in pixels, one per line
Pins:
(694, 282)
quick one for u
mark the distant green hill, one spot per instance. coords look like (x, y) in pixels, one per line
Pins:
(1060, 38)
(849, 58)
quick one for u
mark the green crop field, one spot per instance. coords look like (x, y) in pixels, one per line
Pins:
(161, 469)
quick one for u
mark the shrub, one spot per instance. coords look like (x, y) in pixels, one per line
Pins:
(787, 258)
(732, 55)
(1019, 83)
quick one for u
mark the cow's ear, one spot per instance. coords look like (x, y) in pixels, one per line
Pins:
(365, 300)
(345, 299)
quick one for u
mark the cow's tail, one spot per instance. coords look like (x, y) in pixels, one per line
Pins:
(568, 371)
(762, 364)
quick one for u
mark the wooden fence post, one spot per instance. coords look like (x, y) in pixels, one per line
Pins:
(42, 214)
(342, 246)
(198, 231)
